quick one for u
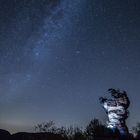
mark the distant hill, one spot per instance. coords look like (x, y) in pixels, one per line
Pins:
(5, 135)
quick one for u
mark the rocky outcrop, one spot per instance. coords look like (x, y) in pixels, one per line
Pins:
(116, 108)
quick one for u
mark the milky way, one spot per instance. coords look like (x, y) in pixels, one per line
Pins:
(57, 57)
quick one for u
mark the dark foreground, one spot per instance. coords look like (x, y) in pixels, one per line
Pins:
(5, 135)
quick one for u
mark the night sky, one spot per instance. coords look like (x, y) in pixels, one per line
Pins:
(57, 57)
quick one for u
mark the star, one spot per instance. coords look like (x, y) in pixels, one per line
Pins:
(28, 77)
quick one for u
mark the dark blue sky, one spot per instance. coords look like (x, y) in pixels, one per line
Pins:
(58, 57)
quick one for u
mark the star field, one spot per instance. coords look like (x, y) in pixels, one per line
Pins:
(58, 57)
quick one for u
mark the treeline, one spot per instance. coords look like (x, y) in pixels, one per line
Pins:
(94, 130)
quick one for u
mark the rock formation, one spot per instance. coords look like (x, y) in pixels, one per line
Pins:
(116, 108)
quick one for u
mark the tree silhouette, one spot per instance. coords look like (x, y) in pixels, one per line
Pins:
(72, 133)
(46, 127)
(95, 129)
(79, 136)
